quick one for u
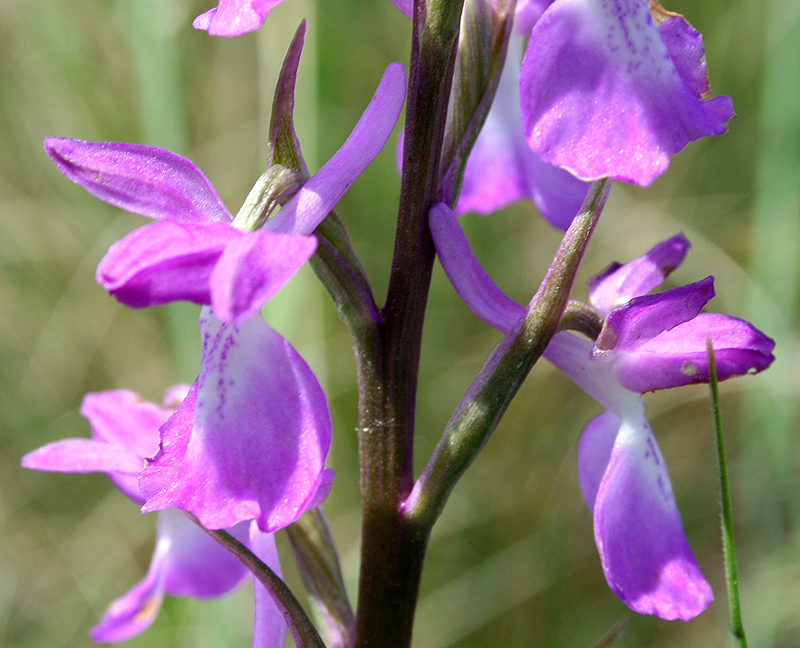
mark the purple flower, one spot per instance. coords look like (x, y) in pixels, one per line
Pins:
(186, 561)
(256, 419)
(611, 89)
(193, 252)
(647, 342)
(235, 17)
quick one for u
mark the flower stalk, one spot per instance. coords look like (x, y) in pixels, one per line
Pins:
(726, 513)
(393, 549)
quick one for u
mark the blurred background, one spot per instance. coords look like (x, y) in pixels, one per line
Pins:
(512, 560)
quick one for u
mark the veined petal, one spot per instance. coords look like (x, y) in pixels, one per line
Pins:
(195, 564)
(250, 439)
(234, 17)
(678, 356)
(601, 95)
(502, 169)
(325, 188)
(253, 268)
(165, 261)
(642, 318)
(643, 549)
(618, 284)
(141, 179)
(269, 628)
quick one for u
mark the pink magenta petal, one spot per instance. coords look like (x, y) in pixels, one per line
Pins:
(250, 440)
(164, 262)
(83, 456)
(325, 188)
(195, 564)
(269, 628)
(678, 356)
(502, 169)
(235, 17)
(135, 611)
(253, 268)
(141, 179)
(406, 7)
(642, 318)
(601, 95)
(643, 549)
(618, 284)
(122, 418)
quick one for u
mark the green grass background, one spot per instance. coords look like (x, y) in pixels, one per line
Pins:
(512, 561)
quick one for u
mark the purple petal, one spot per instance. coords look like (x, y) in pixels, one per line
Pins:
(618, 284)
(195, 564)
(678, 356)
(502, 169)
(120, 417)
(643, 549)
(685, 46)
(406, 7)
(641, 319)
(253, 268)
(601, 95)
(269, 628)
(254, 446)
(165, 261)
(324, 189)
(83, 456)
(468, 277)
(124, 433)
(135, 611)
(141, 179)
(234, 17)
(527, 13)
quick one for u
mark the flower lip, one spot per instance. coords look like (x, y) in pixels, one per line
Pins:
(607, 93)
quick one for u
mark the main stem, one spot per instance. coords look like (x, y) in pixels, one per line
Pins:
(393, 548)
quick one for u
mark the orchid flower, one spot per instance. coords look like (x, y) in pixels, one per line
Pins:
(186, 561)
(647, 342)
(613, 88)
(256, 418)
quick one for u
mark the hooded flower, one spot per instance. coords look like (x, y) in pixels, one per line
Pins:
(614, 88)
(647, 342)
(186, 561)
(256, 418)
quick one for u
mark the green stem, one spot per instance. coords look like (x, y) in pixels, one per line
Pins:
(728, 545)
(300, 626)
(387, 356)
(491, 392)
